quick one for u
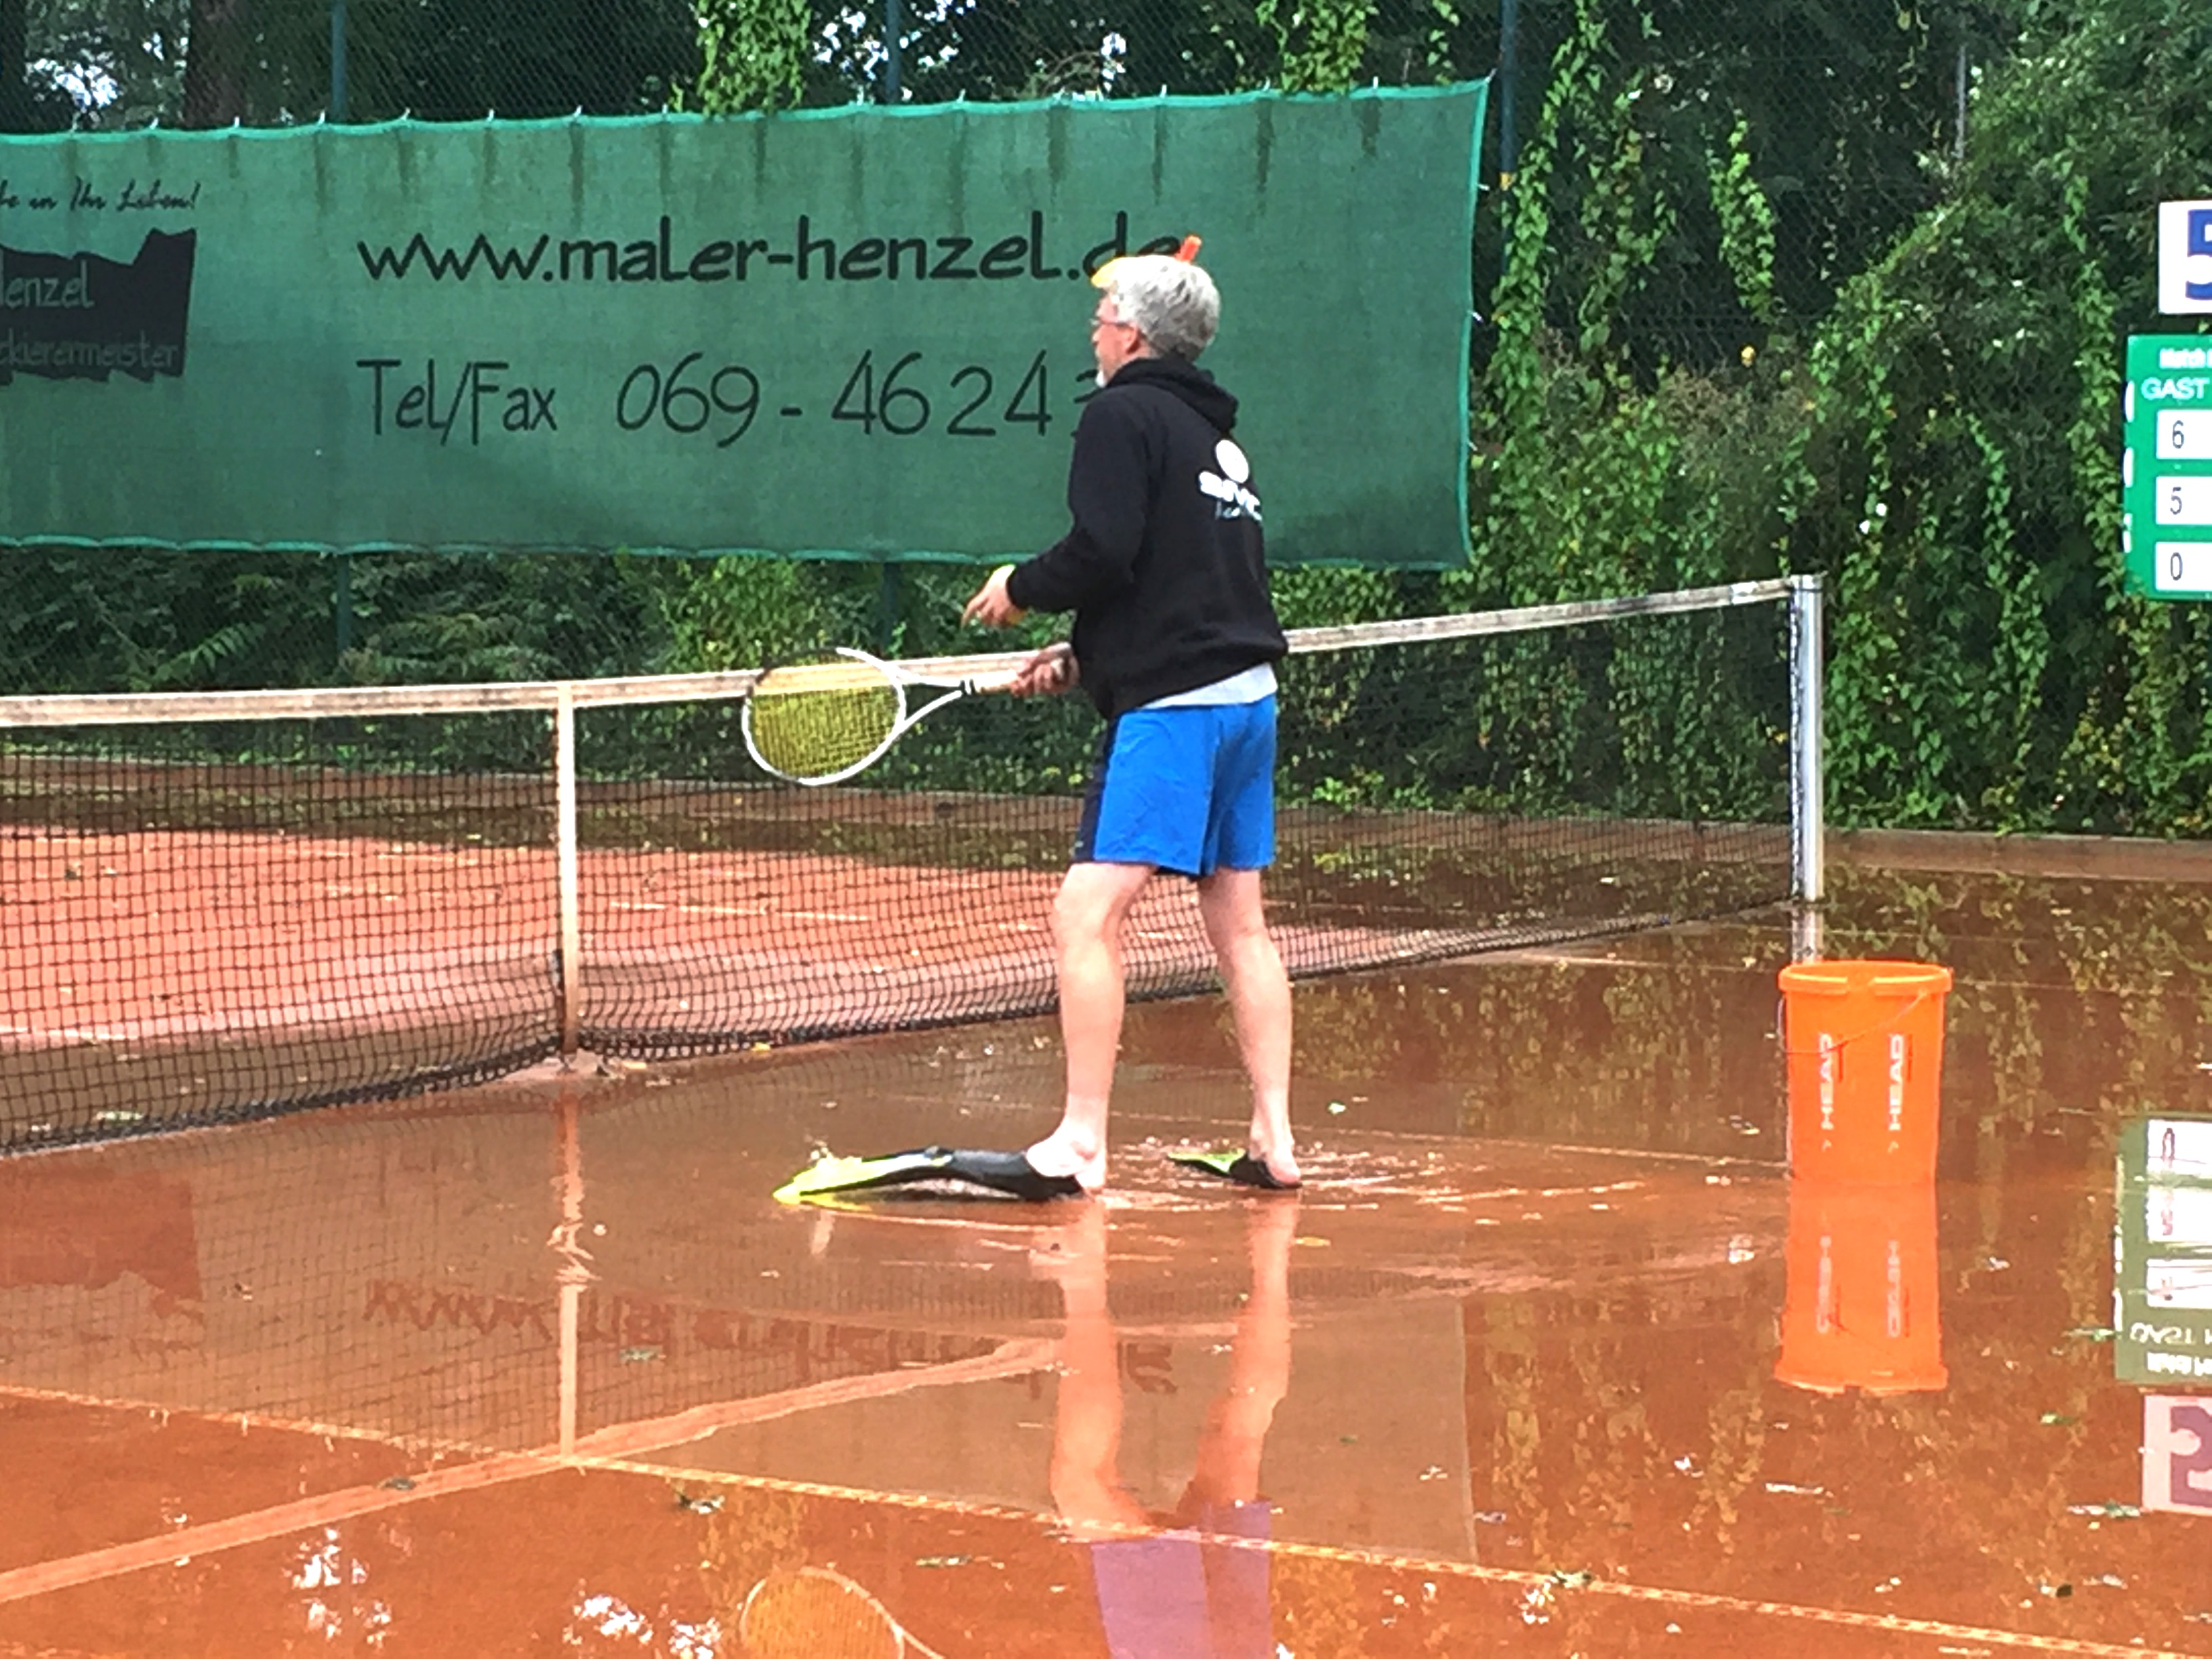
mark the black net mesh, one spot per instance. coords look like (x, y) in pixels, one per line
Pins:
(209, 922)
(212, 922)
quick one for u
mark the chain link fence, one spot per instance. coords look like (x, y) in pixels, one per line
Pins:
(1840, 116)
(1832, 285)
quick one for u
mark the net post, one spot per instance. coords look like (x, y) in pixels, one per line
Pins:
(564, 838)
(1807, 790)
(337, 111)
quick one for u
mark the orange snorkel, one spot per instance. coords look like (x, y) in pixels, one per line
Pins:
(1187, 252)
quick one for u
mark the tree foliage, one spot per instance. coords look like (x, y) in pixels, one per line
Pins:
(754, 55)
(124, 58)
(1940, 435)
(209, 63)
(1963, 470)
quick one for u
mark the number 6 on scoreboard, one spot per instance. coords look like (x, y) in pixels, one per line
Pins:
(2185, 434)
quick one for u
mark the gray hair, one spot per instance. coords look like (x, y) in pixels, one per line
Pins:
(1173, 304)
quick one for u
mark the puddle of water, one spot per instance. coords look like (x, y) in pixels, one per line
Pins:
(1549, 1306)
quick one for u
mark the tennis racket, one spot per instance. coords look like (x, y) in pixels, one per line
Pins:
(824, 718)
(811, 1612)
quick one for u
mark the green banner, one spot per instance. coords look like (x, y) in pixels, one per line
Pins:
(861, 332)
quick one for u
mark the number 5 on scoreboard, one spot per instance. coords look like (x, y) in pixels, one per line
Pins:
(2184, 499)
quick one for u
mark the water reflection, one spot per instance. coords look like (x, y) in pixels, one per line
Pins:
(1188, 1583)
(1569, 1359)
(1862, 1306)
(2177, 1450)
(1865, 1059)
(2162, 1300)
(2162, 1251)
(1645, 1042)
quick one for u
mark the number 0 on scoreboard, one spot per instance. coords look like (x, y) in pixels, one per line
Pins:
(2166, 471)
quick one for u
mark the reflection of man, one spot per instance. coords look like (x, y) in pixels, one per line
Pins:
(1175, 640)
(1170, 1586)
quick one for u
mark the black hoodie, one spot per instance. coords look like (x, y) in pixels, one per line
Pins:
(1164, 568)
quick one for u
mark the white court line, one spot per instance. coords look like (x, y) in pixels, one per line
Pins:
(1436, 1566)
(607, 1448)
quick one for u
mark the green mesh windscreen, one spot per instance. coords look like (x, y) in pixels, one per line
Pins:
(855, 332)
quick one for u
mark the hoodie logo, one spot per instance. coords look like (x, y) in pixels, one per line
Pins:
(1232, 497)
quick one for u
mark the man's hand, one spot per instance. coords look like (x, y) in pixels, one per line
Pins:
(1047, 674)
(989, 604)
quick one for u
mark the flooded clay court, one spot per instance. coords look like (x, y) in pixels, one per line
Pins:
(541, 1369)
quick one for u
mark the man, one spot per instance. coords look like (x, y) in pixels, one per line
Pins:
(1175, 639)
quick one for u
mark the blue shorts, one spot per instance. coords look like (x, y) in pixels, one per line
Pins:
(1188, 789)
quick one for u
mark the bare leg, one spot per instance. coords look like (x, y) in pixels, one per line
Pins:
(1228, 1469)
(1087, 928)
(1260, 999)
(1086, 1442)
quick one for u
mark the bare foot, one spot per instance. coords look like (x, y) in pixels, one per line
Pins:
(1281, 1162)
(1061, 1153)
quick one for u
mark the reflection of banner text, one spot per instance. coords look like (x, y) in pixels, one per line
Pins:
(649, 1323)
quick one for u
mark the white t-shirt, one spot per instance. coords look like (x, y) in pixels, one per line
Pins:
(1248, 686)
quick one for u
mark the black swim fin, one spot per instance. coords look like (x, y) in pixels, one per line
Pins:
(1235, 1164)
(1008, 1173)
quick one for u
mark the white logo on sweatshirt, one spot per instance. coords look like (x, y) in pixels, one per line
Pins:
(1228, 488)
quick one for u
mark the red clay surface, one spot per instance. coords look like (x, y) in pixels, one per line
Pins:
(541, 1369)
(145, 938)
(198, 974)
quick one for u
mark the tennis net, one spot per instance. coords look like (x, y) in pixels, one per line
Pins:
(222, 905)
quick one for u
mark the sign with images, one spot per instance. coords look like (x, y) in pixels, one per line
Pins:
(2185, 257)
(2162, 1252)
(859, 332)
(2166, 471)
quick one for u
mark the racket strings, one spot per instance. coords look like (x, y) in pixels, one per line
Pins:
(810, 1613)
(816, 719)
